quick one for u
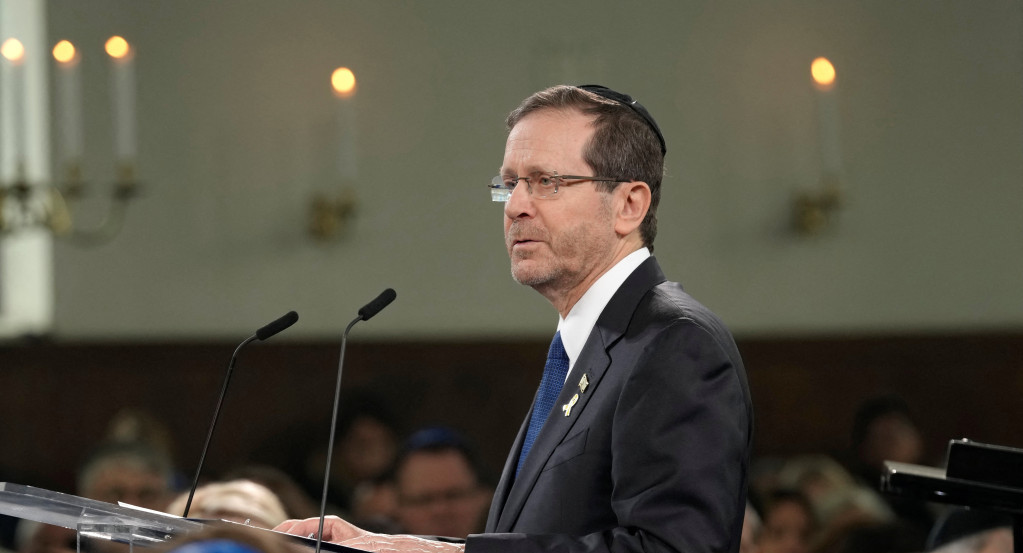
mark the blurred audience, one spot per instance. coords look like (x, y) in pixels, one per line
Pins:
(884, 430)
(240, 501)
(439, 485)
(375, 505)
(434, 485)
(789, 523)
(840, 504)
(297, 503)
(813, 504)
(367, 437)
(132, 425)
(128, 472)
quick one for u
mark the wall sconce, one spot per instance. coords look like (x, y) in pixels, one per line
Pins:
(329, 218)
(814, 210)
(25, 205)
(330, 215)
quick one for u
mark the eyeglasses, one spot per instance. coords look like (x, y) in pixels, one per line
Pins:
(539, 185)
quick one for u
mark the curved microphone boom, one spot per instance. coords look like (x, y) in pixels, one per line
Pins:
(368, 311)
(263, 333)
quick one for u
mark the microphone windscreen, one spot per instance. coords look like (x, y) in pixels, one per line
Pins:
(277, 326)
(383, 300)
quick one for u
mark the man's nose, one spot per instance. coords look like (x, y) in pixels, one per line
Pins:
(520, 203)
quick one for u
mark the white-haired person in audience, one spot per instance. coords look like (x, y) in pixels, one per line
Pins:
(241, 501)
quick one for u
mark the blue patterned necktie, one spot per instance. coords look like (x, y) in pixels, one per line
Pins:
(554, 373)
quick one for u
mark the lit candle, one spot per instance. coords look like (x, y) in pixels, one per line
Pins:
(14, 102)
(69, 98)
(122, 75)
(823, 73)
(343, 82)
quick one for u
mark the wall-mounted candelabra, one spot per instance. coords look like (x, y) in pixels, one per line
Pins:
(331, 214)
(815, 210)
(25, 204)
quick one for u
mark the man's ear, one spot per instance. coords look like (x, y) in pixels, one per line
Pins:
(633, 202)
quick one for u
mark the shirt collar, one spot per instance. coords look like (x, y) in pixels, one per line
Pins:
(576, 327)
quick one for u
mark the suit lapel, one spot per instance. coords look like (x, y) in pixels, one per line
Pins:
(593, 361)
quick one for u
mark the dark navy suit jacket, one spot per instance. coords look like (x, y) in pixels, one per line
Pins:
(653, 455)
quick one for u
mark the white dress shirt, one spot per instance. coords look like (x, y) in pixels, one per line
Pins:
(576, 327)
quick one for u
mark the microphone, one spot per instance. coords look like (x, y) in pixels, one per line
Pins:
(277, 326)
(263, 333)
(369, 310)
(377, 305)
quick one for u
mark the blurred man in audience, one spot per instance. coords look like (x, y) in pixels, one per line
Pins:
(438, 485)
(128, 472)
(884, 430)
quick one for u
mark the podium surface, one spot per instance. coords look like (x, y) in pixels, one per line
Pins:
(98, 518)
(101, 520)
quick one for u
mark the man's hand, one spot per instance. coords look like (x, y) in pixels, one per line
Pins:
(334, 529)
(339, 531)
(386, 543)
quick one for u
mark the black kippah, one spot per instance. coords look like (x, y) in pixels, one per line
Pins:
(627, 100)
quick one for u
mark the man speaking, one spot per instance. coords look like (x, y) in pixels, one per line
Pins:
(639, 435)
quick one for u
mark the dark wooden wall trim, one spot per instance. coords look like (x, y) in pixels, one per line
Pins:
(56, 398)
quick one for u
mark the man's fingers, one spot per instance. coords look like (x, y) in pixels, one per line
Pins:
(334, 528)
(385, 543)
(286, 526)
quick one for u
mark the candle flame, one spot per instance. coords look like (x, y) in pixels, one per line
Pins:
(13, 50)
(343, 81)
(64, 52)
(823, 72)
(117, 47)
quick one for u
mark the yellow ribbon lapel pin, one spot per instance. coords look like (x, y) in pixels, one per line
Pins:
(567, 408)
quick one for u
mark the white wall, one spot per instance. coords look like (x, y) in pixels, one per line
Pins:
(236, 126)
